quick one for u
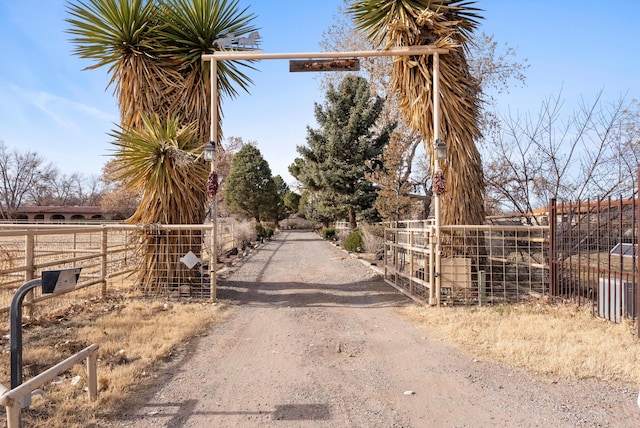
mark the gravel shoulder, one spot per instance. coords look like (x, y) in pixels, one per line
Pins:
(315, 341)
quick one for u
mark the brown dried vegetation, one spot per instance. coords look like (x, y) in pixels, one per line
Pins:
(136, 337)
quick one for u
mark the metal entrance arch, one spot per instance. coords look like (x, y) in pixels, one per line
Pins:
(434, 295)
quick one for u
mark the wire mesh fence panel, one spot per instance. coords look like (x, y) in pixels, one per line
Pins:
(408, 253)
(158, 260)
(584, 252)
(479, 265)
(495, 263)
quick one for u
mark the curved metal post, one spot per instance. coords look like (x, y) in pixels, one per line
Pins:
(16, 330)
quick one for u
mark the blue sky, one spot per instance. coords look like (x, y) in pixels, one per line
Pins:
(50, 105)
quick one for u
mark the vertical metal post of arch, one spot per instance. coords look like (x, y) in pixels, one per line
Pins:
(436, 166)
(213, 138)
(259, 55)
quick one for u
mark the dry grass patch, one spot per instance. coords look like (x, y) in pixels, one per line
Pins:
(558, 340)
(135, 336)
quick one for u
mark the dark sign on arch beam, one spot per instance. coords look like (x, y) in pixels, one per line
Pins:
(347, 64)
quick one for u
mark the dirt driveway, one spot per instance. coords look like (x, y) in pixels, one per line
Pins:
(315, 342)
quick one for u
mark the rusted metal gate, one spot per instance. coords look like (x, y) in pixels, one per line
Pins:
(593, 252)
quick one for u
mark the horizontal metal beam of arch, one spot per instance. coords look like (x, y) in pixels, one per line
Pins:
(259, 55)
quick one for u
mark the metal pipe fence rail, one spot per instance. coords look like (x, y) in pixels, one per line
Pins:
(110, 255)
(584, 252)
(13, 399)
(479, 264)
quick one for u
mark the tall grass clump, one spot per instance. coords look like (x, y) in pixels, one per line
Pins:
(373, 238)
(244, 233)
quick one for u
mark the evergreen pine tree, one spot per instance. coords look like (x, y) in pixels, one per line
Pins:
(334, 160)
(278, 209)
(250, 190)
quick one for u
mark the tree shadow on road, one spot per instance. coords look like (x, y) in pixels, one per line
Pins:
(296, 294)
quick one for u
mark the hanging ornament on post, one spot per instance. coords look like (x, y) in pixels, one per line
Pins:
(212, 183)
(438, 183)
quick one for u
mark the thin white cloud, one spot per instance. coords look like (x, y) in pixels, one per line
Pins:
(67, 132)
(68, 113)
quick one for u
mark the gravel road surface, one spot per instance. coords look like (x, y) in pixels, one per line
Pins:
(315, 341)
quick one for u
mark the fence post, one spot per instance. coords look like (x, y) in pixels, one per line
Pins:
(384, 250)
(14, 412)
(29, 257)
(432, 277)
(394, 252)
(104, 247)
(213, 258)
(553, 284)
(411, 266)
(92, 376)
(636, 258)
(29, 274)
(482, 287)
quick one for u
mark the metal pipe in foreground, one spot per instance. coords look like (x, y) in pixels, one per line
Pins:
(16, 330)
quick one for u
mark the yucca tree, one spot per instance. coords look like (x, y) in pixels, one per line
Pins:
(190, 30)
(160, 158)
(444, 24)
(153, 49)
(122, 34)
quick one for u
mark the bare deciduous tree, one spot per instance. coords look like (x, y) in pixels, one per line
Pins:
(393, 201)
(55, 188)
(91, 190)
(118, 200)
(497, 69)
(590, 153)
(19, 172)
